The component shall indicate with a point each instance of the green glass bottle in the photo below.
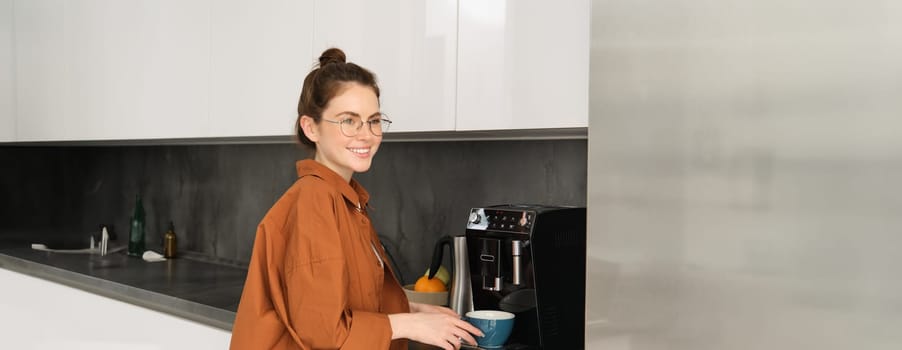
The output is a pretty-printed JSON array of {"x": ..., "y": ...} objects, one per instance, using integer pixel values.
[{"x": 136, "y": 234}]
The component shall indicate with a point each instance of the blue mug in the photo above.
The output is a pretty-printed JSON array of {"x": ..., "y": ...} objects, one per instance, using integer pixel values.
[{"x": 495, "y": 325}]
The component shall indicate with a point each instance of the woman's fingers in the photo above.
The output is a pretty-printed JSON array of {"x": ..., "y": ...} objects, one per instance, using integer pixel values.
[
  {"x": 455, "y": 342},
  {"x": 469, "y": 327},
  {"x": 444, "y": 330},
  {"x": 462, "y": 331},
  {"x": 465, "y": 336}
]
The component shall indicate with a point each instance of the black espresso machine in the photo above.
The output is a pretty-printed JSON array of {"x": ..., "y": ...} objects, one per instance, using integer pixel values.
[{"x": 530, "y": 260}]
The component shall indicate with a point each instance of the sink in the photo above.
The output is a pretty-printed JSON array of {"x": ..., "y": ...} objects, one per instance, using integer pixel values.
[{"x": 43, "y": 248}]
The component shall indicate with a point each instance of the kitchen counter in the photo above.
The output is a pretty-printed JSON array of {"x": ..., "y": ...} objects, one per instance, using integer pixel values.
[{"x": 197, "y": 290}]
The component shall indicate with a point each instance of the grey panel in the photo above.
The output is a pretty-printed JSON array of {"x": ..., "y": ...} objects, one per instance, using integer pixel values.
[{"x": 744, "y": 160}]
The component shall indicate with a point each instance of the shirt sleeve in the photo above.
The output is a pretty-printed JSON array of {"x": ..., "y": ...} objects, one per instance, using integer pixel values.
[{"x": 316, "y": 281}]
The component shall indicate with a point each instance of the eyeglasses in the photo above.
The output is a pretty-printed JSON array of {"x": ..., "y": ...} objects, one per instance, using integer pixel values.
[{"x": 350, "y": 126}]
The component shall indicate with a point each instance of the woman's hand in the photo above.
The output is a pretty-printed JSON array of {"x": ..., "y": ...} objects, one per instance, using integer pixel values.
[
  {"x": 417, "y": 307},
  {"x": 431, "y": 325}
]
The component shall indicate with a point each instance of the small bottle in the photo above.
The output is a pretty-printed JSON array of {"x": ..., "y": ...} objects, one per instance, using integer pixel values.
[
  {"x": 136, "y": 234},
  {"x": 169, "y": 242}
]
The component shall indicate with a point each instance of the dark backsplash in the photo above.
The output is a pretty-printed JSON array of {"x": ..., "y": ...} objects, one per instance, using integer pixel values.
[{"x": 216, "y": 194}]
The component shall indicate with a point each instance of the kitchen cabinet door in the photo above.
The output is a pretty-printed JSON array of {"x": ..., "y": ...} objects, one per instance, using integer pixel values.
[
  {"x": 40, "y": 70},
  {"x": 410, "y": 45},
  {"x": 109, "y": 69},
  {"x": 173, "y": 98},
  {"x": 261, "y": 51},
  {"x": 137, "y": 69},
  {"x": 7, "y": 82},
  {"x": 522, "y": 64},
  {"x": 39, "y": 314}
]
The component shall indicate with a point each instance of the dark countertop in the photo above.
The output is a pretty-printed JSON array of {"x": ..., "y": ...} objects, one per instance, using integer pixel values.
[{"x": 197, "y": 290}]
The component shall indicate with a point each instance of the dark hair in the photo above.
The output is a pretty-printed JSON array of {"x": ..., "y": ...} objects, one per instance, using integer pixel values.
[{"x": 324, "y": 82}]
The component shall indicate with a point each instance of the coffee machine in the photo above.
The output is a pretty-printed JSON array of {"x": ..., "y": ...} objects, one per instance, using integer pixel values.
[{"x": 530, "y": 260}]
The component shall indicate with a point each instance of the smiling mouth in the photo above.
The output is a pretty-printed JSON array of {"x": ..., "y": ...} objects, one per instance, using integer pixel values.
[{"x": 360, "y": 151}]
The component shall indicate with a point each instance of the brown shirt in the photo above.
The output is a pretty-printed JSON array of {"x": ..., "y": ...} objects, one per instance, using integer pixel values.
[{"x": 318, "y": 277}]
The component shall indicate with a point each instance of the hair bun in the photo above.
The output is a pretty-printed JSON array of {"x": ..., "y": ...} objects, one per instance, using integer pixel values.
[{"x": 332, "y": 55}]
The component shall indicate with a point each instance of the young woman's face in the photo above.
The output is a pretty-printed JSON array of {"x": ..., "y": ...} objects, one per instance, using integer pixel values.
[{"x": 343, "y": 154}]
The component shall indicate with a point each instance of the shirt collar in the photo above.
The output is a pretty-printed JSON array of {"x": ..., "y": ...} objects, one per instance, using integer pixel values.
[{"x": 352, "y": 191}]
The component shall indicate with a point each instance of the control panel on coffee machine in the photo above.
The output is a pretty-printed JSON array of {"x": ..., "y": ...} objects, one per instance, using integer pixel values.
[{"x": 531, "y": 260}]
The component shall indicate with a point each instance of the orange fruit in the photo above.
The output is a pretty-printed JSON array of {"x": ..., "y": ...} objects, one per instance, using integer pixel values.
[{"x": 426, "y": 284}]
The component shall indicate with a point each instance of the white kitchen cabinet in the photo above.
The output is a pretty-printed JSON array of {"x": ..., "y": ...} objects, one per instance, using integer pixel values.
[
  {"x": 7, "y": 80},
  {"x": 410, "y": 45},
  {"x": 40, "y": 70},
  {"x": 39, "y": 314},
  {"x": 260, "y": 53},
  {"x": 522, "y": 64},
  {"x": 174, "y": 68},
  {"x": 108, "y": 69},
  {"x": 144, "y": 69},
  {"x": 137, "y": 69}
]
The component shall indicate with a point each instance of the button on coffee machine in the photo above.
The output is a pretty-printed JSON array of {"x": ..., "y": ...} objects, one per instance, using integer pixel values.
[{"x": 531, "y": 260}]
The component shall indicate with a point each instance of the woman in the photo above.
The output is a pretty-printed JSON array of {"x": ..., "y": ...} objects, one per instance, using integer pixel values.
[{"x": 318, "y": 278}]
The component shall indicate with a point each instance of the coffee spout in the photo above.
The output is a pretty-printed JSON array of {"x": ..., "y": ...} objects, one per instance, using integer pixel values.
[{"x": 515, "y": 263}]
